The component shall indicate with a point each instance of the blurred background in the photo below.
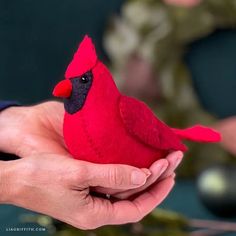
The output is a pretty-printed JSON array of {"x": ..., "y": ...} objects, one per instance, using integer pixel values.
[{"x": 179, "y": 56}]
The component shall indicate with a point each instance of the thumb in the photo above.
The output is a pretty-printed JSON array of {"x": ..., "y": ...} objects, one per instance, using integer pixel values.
[{"x": 116, "y": 176}]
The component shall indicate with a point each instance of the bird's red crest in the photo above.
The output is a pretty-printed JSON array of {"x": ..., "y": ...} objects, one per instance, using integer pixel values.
[{"x": 84, "y": 59}]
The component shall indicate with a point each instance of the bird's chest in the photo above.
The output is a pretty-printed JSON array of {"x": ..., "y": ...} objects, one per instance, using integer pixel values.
[
  {"x": 89, "y": 133},
  {"x": 101, "y": 137}
]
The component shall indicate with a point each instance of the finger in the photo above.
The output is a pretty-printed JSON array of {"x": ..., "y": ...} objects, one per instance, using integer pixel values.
[
  {"x": 114, "y": 176},
  {"x": 157, "y": 168},
  {"x": 174, "y": 160},
  {"x": 119, "y": 195},
  {"x": 123, "y": 212},
  {"x": 143, "y": 204},
  {"x": 173, "y": 176}
]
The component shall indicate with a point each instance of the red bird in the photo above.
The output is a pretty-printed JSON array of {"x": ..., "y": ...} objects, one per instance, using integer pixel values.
[{"x": 103, "y": 126}]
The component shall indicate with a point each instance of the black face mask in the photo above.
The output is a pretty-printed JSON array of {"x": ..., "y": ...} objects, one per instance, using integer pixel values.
[{"x": 80, "y": 89}]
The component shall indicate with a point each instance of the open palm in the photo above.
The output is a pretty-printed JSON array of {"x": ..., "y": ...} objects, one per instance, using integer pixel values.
[{"x": 38, "y": 130}]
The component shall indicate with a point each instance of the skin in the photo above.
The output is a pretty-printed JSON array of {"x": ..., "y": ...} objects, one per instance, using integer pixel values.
[{"x": 47, "y": 180}]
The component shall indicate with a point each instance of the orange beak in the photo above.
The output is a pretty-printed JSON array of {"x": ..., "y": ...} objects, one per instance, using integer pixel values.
[{"x": 63, "y": 89}]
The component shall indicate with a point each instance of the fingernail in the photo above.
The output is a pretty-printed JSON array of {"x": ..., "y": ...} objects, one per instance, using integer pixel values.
[
  {"x": 178, "y": 159},
  {"x": 147, "y": 172},
  {"x": 160, "y": 166},
  {"x": 138, "y": 177},
  {"x": 163, "y": 167}
]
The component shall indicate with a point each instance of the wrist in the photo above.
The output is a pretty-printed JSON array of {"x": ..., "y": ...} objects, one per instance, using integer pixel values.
[
  {"x": 7, "y": 175},
  {"x": 10, "y": 129}
]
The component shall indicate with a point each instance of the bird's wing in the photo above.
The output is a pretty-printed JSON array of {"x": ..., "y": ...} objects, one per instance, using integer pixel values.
[{"x": 141, "y": 122}]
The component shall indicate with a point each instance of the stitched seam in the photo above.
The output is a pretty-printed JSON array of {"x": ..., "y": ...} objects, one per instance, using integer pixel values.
[
  {"x": 89, "y": 138},
  {"x": 126, "y": 122},
  {"x": 140, "y": 137}
]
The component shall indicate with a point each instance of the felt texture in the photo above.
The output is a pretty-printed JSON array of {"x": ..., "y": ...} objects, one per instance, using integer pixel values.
[
  {"x": 63, "y": 89},
  {"x": 198, "y": 133},
  {"x": 84, "y": 59},
  {"x": 140, "y": 122},
  {"x": 113, "y": 128},
  {"x": 80, "y": 88}
]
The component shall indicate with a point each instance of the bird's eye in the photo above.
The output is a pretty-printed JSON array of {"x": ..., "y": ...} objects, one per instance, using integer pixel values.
[{"x": 84, "y": 79}]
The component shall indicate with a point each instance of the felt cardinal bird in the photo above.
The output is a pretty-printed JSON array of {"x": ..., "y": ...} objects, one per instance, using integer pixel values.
[{"x": 103, "y": 126}]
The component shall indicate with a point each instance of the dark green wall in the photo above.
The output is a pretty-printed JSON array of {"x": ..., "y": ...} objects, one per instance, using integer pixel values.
[
  {"x": 212, "y": 62},
  {"x": 38, "y": 38}
]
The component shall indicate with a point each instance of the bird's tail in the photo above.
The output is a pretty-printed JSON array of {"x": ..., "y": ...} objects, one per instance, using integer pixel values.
[{"x": 198, "y": 133}]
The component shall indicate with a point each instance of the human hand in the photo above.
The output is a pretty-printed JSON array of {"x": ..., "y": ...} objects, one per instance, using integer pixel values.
[
  {"x": 60, "y": 187},
  {"x": 32, "y": 130},
  {"x": 37, "y": 130},
  {"x": 159, "y": 170}
]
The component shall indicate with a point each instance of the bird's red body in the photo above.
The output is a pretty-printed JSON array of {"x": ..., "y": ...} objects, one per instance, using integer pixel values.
[{"x": 113, "y": 128}]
